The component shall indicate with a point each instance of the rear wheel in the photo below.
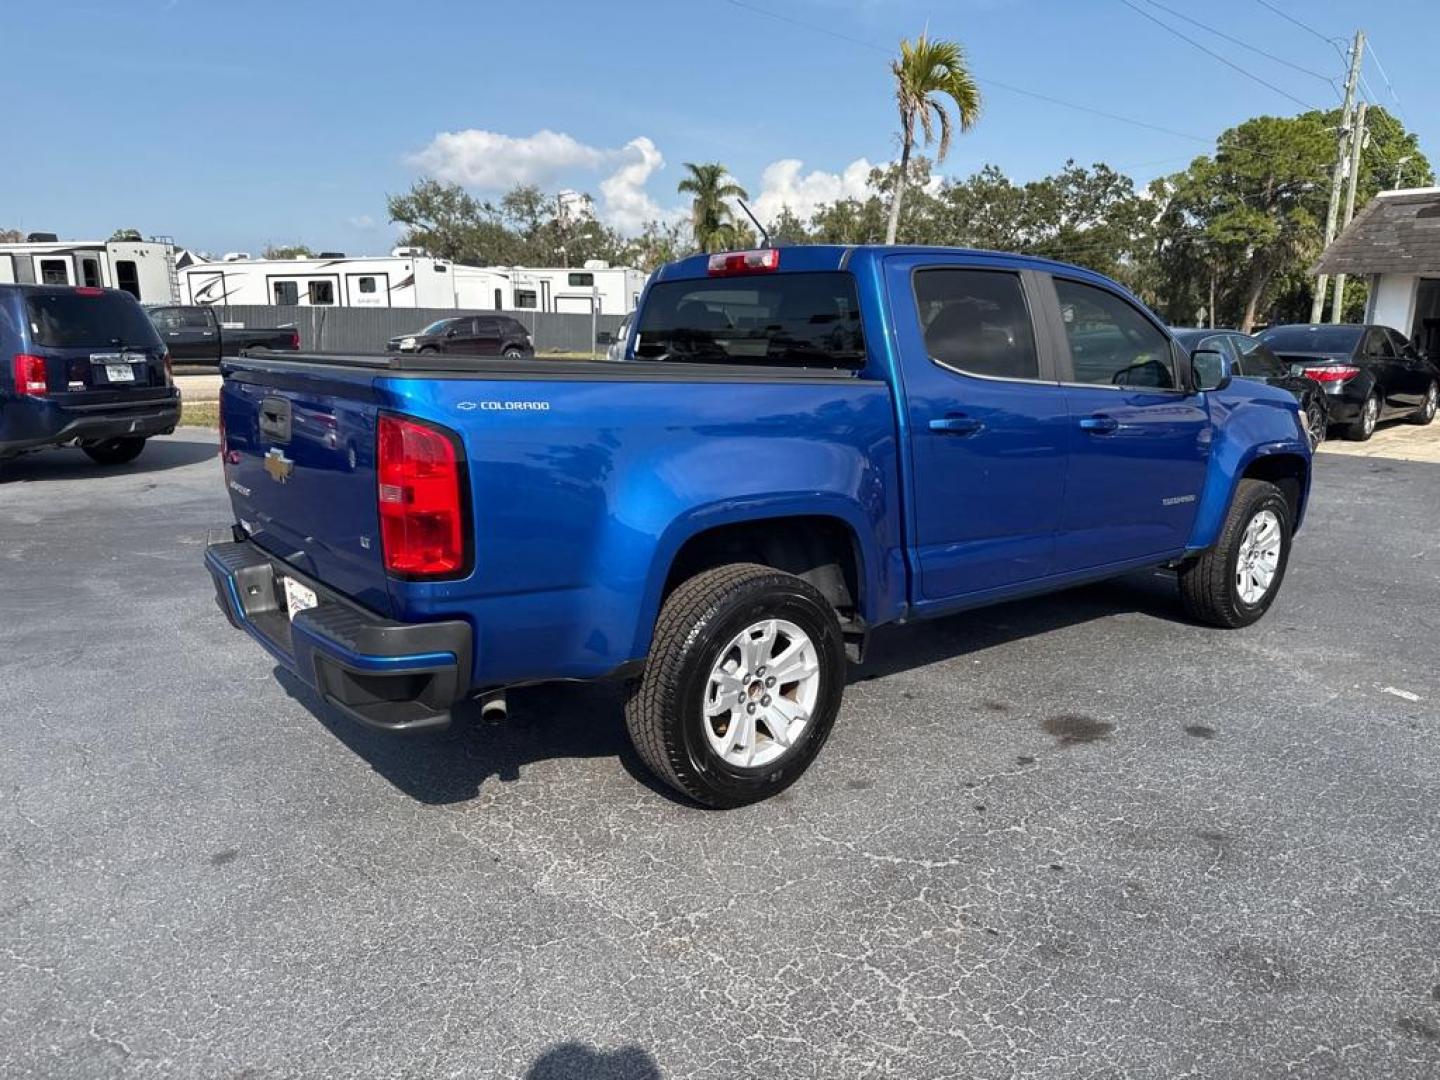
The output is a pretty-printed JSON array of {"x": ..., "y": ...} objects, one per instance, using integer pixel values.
[
  {"x": 1234, "y": 583},
  {"x": 1426, "y": 412},
  {"x": 114, "y": 451},
  {"x": 1316, "y": 420},
  {"x": 512, "y": 353},
  {"x": 741, "y": 689},
  {"x": 1364, "y": 425}
]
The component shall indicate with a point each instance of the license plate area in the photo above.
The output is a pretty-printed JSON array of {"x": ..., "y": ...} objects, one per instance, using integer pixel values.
[
  {"x": 118, "y": 373},
  {"x": 298, "y": 597}
]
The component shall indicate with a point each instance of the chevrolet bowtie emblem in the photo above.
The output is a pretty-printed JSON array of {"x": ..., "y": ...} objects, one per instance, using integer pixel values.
[{"x": 279, "y": 466}]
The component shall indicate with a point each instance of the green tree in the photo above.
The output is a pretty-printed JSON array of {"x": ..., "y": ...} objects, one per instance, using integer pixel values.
[
  {"x": 448, "y": 222},
  {"x": 926, "y": 74},
  {"x": 125, "y": 234},
  {"x": 712, "y": 222},
  {"x": 287, "y": 251}
]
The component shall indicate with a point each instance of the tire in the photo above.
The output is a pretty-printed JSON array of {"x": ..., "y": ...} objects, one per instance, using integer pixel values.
[
  {"x": 1209, "y": 586},
  {"x": 1316, "y": 420},
  {"x": 671, "y": 710},
  {"x": 1426, "y": 413},
  {"x": 1364, "y": 425},
  {"x": 114, "y": 451},
  {"x": 513, "y": 353}
]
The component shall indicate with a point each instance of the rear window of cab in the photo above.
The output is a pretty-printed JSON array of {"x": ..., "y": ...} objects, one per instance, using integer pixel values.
[{"x": 795, "y": 320}]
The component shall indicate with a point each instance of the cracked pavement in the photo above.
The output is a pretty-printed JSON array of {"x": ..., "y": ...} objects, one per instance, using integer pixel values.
[{"x": 1070, "y": 837}]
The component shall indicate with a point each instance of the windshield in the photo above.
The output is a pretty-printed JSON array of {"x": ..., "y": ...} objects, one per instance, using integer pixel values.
[
  {"x": 436, "y": 327},
  {"x": 1316, "y": 339},
  {"x": 802, "y": 320},
  {"x": 75, "y": 320}
]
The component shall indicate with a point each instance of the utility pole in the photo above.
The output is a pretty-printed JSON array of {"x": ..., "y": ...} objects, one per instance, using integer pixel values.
[
  {"x": 1357, "y": 143},
  {"x": 1357, "y": 51}
]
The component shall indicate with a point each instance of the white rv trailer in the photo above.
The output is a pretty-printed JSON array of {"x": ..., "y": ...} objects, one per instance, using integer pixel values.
[
  {"x": 143, "y": 268},
  {"x": 409, "y": 279},
  {"x": 403, "y": 281},
  {"x": 611, "y": 290}
]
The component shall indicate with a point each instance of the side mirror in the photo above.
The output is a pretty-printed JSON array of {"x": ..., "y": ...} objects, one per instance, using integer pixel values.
[
  {"x": 452, "y": 332},
  {"x": 604, "y": 337},
  {"x": 1211, "y": 369}
]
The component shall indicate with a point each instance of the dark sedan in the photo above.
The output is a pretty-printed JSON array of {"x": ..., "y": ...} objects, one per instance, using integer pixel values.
[
  {"x": 1369, "y": 373},
  {"x": 1251, "y": 359},
  {"x": 475, "y": 335}
]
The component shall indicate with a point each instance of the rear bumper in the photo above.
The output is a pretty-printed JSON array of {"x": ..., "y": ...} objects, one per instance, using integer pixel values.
[
  {"x": 49, "y": 424},
  {"x": 387, "y": 675}
]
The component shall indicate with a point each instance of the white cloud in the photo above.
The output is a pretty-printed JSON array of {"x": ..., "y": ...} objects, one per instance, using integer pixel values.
[
  {"x": 488, "y": 159},
  {"x": 626, "y": 204},
  {"x": 361, "y": 221},
  {"x": 781, "y": 185}
]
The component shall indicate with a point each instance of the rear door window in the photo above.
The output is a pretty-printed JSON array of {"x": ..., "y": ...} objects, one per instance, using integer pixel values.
[
  {"x": 798, "y": 320},
  {"x": 1111, "y": 343},
  {"x": 976, "y": 322},
  {"x": 70, "y": 320}
]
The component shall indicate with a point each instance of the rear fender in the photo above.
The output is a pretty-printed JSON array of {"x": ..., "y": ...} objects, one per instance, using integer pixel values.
[{"x": 874, "y": 578}]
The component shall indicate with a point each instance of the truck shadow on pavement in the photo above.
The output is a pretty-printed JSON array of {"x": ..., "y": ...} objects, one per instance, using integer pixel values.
[
  {"x": 584, "y": 720},
  {"x": 69, "y": 464}
]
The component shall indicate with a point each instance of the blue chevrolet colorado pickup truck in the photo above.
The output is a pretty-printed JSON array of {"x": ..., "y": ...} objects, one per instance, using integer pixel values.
[{"x": 800, "y": 445}]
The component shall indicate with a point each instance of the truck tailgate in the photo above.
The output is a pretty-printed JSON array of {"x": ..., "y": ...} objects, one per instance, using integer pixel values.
[{"x": 299, "y": 458}]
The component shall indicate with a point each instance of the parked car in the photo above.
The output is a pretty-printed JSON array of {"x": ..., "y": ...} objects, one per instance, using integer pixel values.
[
  {"x": 809, "y": 443},
  {"x": 476, "y": 335},
  {"x": 615, "y": 342},
  {"x": 1369, "y": 373},
  {"x": 82, "y": 366},
  {"x": 1251, "y": 358},
  {"x": 195, "y": 335}
]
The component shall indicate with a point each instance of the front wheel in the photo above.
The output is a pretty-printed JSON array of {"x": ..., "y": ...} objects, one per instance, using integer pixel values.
[
  {"x": 1426, "y": 412},
  {"x": 744, "y": 679},
  {"x": 114, "y": 451},
  {"x": 1235, "y": 582},
  {"x": 513, "y": 353}
]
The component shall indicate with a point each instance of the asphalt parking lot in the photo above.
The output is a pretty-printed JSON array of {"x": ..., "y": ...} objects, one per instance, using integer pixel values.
[{"x": 1073, "y": 837}]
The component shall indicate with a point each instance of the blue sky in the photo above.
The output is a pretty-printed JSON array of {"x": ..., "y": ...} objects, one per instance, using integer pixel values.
[{"x": 232, "y": 125}]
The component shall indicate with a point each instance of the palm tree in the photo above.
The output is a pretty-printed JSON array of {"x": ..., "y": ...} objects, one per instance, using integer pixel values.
[
  {"x": 711, "y": 218},
  {"x": 926, "y": 73}
]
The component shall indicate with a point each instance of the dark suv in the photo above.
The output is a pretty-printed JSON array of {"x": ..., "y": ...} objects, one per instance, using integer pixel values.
[
  {"x": 82, "y": 366},
  {"x": 478, "y": 335}
]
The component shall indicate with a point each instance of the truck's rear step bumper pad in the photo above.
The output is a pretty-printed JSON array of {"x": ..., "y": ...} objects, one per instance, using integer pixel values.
[{"x": 387, "y": 675}]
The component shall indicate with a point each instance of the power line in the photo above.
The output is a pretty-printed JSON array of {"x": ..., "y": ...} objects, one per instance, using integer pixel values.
[
  {"x": 992, "y": 82},
  {"x": 1388, "y": 84},
  {"x": 1212, "y": 53},
  {"x": 1303, "y": 26},
  {"x": 1243, "y": 43}
]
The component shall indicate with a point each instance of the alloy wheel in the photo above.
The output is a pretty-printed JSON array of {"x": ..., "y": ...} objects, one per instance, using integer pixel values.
[
  {"x": 1258, "y": 558},
  {"x": 761, "y": 693}
]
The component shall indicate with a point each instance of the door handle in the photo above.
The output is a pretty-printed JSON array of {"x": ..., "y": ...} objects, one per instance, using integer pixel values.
[
  {"x": 956, "y": 425},
  {"x": 1100, "y": 425}
]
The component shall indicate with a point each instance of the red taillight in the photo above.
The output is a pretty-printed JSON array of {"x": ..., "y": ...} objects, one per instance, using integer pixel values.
[
  {"x": 89, "y": 290},
  {"x": 744, "y": 262},
  {"x": 294, "y": 339},
  {"x": 220, "y": 421},
  {"x": 169, "y": 369},
  {"x": 422, "y": 506},
  {"x": 1332, "y": 373},
  {"x": 31, "y": 379}
]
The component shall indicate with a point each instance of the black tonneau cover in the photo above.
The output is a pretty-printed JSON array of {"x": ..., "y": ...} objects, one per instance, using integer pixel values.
[{"x": 443, "y": 366}]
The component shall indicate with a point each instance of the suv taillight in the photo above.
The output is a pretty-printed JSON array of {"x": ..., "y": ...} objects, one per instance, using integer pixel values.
[
  {"x": 31, "y": 379},
  {"x": 169, "y": 369},
  {"x": 294, "y": 339},
  {"x": 421, "y": 492}
]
